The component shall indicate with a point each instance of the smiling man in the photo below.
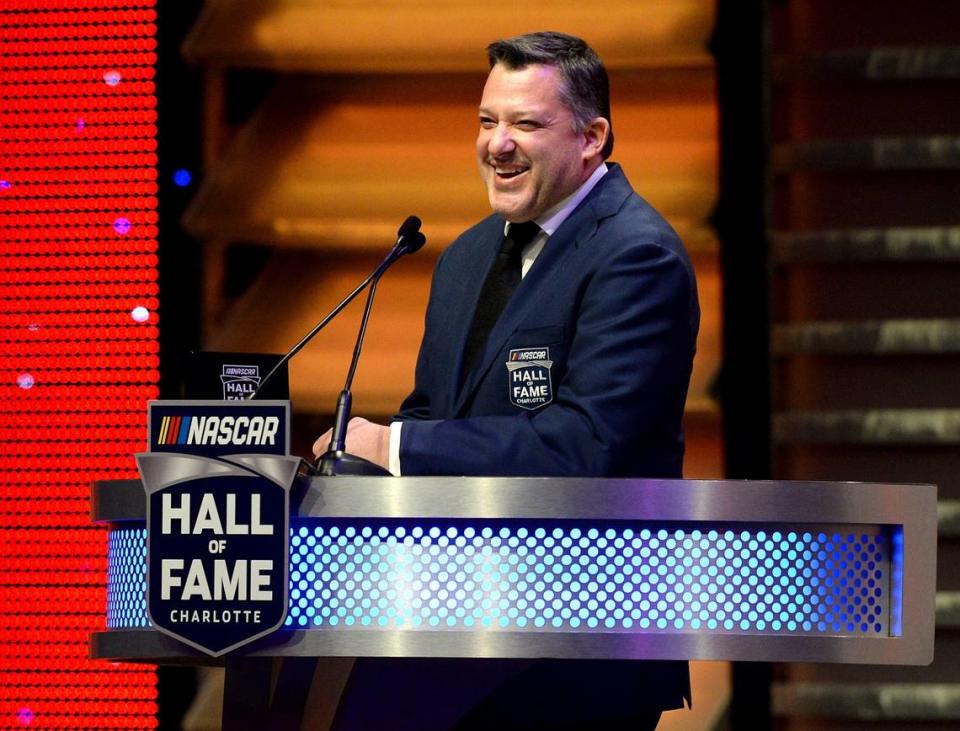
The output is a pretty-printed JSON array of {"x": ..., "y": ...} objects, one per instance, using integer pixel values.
[
  {"x": 532, "y": 149},
  {"x": 559, "y": 340}
]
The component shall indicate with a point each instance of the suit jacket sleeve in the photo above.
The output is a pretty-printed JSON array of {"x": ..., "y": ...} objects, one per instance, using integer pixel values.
[{"x": 618, "y": 404}]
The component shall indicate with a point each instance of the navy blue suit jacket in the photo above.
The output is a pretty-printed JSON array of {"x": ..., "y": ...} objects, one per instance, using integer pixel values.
[{"x": 612, "y": 298}]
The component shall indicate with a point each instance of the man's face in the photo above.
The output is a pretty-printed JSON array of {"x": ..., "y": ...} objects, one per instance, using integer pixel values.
[{"x": 530, "y": 157}]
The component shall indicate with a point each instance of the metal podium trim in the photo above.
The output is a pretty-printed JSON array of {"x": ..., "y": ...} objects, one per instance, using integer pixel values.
[{"x": 907, "y": 508}]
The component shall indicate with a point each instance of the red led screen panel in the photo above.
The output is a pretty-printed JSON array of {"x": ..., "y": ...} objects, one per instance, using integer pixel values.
[{"x": 78, "y": 341}]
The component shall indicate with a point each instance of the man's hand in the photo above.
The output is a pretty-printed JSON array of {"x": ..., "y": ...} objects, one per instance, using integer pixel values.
[{"x": 364, "y": 439}]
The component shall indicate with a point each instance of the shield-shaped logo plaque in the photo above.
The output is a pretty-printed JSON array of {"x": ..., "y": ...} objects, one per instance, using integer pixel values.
[{"x": 217, "y": 546}]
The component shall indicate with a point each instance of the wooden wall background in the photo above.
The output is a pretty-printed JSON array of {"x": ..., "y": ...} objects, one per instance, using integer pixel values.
[
  {"x": 865, "y": 331},
  {"x": 370, "y": 117}
]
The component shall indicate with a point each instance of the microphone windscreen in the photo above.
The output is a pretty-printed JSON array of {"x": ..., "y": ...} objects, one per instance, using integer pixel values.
[
  {"x": 414, "y": 243},
  {"x": 409, "y": 227}
]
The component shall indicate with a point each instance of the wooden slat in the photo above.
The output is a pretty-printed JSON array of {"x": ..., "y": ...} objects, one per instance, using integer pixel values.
[
  {"x": 875, "y": 426},
  {"x": 872, "y": 64},
  {"x": 935, "y": 152},
  {"x": 948, "y": 518},
  {"x": 948, "y": 610},
  {"x": 873, "y": 701},
  {"x": 294, "y": 35},
  {"x": 878, "y": 337},
  {"x": 919, "y": 243},
  {"x": 339, "y": 162}
]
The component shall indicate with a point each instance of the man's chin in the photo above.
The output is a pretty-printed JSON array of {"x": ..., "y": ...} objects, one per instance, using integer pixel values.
[{"x": 514, "y": 211}]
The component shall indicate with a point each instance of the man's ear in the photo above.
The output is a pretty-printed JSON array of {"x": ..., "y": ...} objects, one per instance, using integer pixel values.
[{"x": 595, "y": 137}]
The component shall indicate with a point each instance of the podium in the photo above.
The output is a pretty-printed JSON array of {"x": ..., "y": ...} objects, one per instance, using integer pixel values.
[
  {"x": 478, "y": 567},
  {"x": 564, "y": 568},
  {"x": 574, "y": 568}
]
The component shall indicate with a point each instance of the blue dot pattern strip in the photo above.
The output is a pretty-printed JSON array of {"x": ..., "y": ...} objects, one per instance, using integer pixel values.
[
  {"x": 508, "y": 576},
  {"x": 127, "y": 579}
]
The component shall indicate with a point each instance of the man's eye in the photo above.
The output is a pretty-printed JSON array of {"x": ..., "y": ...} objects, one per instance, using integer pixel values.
[
  {"x": 528, "y": 124},
  {"x": 487, "y": 123}
]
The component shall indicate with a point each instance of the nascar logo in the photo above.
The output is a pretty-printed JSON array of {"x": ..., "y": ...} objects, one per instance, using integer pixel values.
[
  {"x": 210, "y": 430},
  {"x": 530, "y": 382},
  {"x": 525, "y": 355}
]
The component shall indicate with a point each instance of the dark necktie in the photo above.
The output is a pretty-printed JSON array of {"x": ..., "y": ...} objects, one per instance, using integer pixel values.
[{"x": 503, "y": 278}]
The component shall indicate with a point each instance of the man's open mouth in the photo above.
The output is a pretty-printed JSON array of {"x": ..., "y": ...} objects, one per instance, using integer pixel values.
[{"x": 508, "y": 173}]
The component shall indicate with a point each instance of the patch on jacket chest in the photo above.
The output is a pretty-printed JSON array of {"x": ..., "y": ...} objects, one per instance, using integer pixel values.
[{"x": 528, "y": 376}]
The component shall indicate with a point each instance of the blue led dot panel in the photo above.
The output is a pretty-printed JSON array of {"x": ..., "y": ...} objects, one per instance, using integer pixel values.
[
  {"x": 127, "y": 579},
  {"x": 568, "y": 578}
]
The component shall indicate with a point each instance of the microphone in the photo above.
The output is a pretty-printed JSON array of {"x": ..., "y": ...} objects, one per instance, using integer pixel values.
[
  {"x": 336, "y": 460},
  {"x": 409, "y": 241},
  {"x": 409, "y": 238}
]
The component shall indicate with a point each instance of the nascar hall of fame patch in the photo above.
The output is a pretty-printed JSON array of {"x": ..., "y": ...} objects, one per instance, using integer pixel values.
[
  {"x": 528, "y": 374},
  {"x": 217, "y": 546},
  {"x": 239, "y": 381}
]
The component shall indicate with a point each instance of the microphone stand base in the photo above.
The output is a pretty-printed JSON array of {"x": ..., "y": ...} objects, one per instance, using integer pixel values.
[{"x": 333, "y": 463}]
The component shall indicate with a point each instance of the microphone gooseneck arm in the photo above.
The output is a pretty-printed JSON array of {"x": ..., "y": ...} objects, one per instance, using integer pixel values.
[
  {"x": 342, "y": 417},
  {"x": 336, "y": 460}
]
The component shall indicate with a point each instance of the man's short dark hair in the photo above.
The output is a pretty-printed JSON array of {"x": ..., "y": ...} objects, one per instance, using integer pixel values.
[{"x": 586, "y": 89}]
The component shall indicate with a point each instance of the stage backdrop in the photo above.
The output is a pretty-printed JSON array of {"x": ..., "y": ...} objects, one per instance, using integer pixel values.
[{"x": 78, "y": 341}]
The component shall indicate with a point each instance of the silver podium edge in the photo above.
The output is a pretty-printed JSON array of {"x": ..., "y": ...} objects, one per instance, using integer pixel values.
[{"x": 910, "y": 507}]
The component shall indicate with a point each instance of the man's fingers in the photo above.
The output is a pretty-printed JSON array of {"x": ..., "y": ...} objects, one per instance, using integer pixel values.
[
  {"x": 320, "y": 446},
  {"x": 323, "y": 443},
  {"x": 355, "y": 423},
  {"x": 364, "y": 439}
]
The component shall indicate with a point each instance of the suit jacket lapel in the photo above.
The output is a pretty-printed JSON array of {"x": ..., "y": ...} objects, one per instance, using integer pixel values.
[{"x": 603, "y": 201}]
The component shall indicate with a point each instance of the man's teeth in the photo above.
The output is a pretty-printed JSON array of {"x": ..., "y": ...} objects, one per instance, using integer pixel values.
[{"x": 510, "y": 172}]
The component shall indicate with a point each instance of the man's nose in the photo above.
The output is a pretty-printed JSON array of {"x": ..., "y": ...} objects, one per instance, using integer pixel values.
[{"x": 501, "y": 140}]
